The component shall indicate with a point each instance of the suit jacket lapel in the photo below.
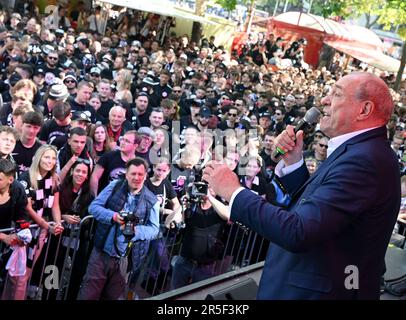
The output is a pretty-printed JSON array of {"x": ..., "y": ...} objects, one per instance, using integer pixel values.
[{"x": 340, "y": 150}]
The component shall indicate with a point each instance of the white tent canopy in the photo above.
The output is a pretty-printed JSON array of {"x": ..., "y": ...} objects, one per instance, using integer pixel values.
[{"x": 161, "y": 7}]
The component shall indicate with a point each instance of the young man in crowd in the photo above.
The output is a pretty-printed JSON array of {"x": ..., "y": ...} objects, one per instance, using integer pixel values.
[{"x": 28, "y": 143}]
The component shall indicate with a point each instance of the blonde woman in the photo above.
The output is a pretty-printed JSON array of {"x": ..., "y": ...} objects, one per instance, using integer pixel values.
[
  {"x": 123, "y": 79},
  {"x": 41, "y": 185}
]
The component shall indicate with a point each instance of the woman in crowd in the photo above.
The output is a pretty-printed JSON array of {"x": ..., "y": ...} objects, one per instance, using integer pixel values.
[
  {"x": 250, "y": 178},
  {"x": 123, "y": 79},
  {"x": 161, "y": 145},
  {"x": 170, "y": 215},
  {"x": 95, "y": 101},
  {"x": 41, "y": 185},
  {"x": 74, "y": 204},
  {"x": 102, "y": 143}
]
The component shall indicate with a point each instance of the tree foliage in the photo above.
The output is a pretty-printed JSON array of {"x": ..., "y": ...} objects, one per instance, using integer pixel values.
[
  {"x": 229, "y": 5},
  {"x": 393, "y": 13}
]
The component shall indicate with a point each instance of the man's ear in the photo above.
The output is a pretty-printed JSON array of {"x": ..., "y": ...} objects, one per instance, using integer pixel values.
[{"x": 366, "y": 110}]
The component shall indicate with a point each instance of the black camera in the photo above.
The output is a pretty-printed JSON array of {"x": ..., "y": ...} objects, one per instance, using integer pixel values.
[
  {"x": 130, "y": 221},
  {"x": 199, "y": 189}
]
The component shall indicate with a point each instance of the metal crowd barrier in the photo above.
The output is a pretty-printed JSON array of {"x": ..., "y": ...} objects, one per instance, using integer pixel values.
[{"x": 70, "y": 253}]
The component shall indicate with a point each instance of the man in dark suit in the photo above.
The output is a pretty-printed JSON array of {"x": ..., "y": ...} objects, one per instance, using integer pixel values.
[{"x": 331, "y": 241}]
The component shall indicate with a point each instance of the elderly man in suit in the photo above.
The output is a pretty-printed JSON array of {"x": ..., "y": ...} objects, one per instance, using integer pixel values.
[{"x": 331, "y": 241}]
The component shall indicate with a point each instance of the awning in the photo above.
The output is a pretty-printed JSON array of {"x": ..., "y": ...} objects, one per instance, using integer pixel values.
[
  {"x": 372, "y": 57},
  {"x": 161, "y": 7},
  {"x": 358, "y": 42}
]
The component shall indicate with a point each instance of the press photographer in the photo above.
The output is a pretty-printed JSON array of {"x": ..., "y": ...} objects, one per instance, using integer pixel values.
[
  {"x": 128, "y": 217},
  {"x": 201, "y": 246}
]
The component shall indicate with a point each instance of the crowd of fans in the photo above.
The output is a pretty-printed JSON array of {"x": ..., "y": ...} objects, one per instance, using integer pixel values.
[{"x": 76, "y": 106}]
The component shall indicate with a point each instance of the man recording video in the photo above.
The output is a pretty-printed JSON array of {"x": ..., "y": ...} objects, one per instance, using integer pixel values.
[
  {"x": 330, "y": 242},
  {"x": 201, "y": 245},
  {"x": 128, "y": 219}
]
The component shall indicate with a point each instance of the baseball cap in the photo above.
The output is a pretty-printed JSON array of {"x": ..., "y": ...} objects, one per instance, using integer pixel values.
[
  {"x": 95, "y": 70},
  {"x": 205, "y": 112},
  {"x": 263, "y": 112},
  {"x": 81, "y": 116},
  {"x": 16, "y": 15},
  {"x": 143, "y": 94},
  {"x": 59, "y": 32},
  {"x": 145, "y": 131},
  {"x": 38, "y": 71}
]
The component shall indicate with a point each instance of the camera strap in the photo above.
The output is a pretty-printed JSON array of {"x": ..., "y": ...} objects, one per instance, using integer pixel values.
[{"x": 127, "y": 249}]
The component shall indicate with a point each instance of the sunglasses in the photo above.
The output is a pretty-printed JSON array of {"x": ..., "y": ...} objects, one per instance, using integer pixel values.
[
  {"x": 81, "y": 160},
  {"x": 232, "y": 114},
  {"x": 96, "y": 75},
  {"x": 323, "y": 145},
  {"x": 176, "y": 91},
  {"x": 53, "y": 58},
  {"x": 69, "y": 81}
]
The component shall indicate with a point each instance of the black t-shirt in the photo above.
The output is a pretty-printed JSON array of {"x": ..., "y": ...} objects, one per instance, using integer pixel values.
[
  {"x": 5, "y": 114},
  {"x": 105, "y": 107},
  {"x": 257, "y": 57},
  {"x": 141, "y": 120},
  {"x": 223, "y": 125},
  {"x": 15, "y": 208},
  {"x": 50, "y": 74},
  {"x": 159, "y": 190},
  {"x": 23, "y": 156},
  {"x": 144, "y": 156},
  {"x": 50, "y": 131},
  {"x": 114, "y": 167},
  {"x": 202, "y": 236},
  {"x": 179, "y": 178},
  {"x": 6, "y": 215},
  {"x": 160, "y": 92},
  {"x": 83, "y": 108}
]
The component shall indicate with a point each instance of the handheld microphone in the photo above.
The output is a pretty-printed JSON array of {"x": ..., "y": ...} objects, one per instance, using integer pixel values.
[{"x": 311, "y": 118}]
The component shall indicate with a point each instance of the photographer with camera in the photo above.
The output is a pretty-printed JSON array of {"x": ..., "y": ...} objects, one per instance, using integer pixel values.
[
  {"x": 128, "y": 217},
  {"x": 201, "y": 245}
]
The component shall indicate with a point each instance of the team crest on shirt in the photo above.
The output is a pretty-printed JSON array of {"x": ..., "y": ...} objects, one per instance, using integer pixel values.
[{"x": 24, "y": 184}]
